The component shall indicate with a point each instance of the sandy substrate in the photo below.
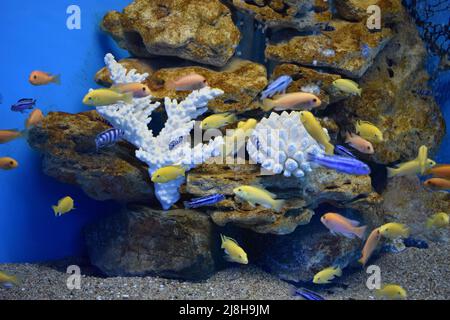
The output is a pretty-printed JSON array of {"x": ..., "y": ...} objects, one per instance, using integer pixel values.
[{"x": 424, "y": 273}]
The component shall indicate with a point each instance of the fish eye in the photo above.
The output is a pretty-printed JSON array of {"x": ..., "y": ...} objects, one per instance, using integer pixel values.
[
  {"x": 90, "y": 98},
  {"x": 314, "y": 100},
  {"x": 204, "y": 81},
  {"x": 11, "y": 163}
]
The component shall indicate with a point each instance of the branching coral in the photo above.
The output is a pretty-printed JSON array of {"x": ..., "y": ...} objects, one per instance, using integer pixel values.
[
  {"x": 160, "y": 151},
  {"x": 281, "y": 144}
]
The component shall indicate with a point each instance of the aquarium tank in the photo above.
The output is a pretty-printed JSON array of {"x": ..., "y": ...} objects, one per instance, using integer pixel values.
[{"x": 225, "y": 150}]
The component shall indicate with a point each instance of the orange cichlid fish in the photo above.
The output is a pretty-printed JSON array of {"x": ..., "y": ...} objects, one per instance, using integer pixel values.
[
  {"x": 36, "y": 116},
  {"x": 139, "y": 90},
  {"x": 440, "y": 171},
  {"x": 7, "y": 163},
  {"x": 292, "y": 101},
  {"x": 437, "y": 184},
  {"x": 40, "y": 78},
  {"x": 359, "y": 143},
  {"x": 338, "y": 224},
  {"x": 9, "y": 135},
  {"x": 190, "y": 82},
  {"x": 370, "y": 246}
]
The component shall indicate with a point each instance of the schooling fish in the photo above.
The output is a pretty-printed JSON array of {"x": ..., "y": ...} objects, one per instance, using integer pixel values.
[
  {"x": 168, "y": 173},
  {"x": 340, "y": 164},
  {"x": 308, "y": 294},
  {"x": 438, "y": 220},
  {"x": 368, "y": 131},
  {"x": 39, "y": 78},
  {"x": 7, "y": 163},
  {"x": 391, "y": 291},
  {"x": 279, "y": 86},
  {"x": 23, "y": 105},
  {"x": 64, "y": 206},
  {"x": 440, "y": 171},
  {"x": 234, "y": 253},
  {"x": 415, "y": 243},
  {"x": 190, "y": 82},
  {"x": 394, "y": 230},
  {"x": 175, "y": 142},
  {"x": 327, "y": 275},
  {"x": 343, "y": 151},
  {"x": 219, "y": 120},
  {"x": 139, "y": 90},
  {"x": 108, "y": 138},
  {"x": 292, "y": 101},
  {"x": 316, "y": 131},
  {"x": 9, "y": 135},
  {"x": 370, "y": 246},
  {"x": 254, "y": 196},
  {"x": 413, "y": 167},
  {"x": 437, "y": 184},
  {"x": 36, "y": 117},
  {"x": 347, "y": 86},
  {"x": 338, "y": 224},
  {"x": 359, "y": 143},
  {"x": 7, "y": 280},
  {"x": 204, "y": 201},
  {"x": 104, "y": 97}
]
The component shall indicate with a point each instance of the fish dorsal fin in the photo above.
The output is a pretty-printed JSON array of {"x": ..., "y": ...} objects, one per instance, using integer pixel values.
[
  {"x": 354, "y": 223},
  {"x": 272, "y": 195},
  {"x": 353, "y": 82},
  {"x": 361, "y": 122},
  {"x": 231, "y": 239}
]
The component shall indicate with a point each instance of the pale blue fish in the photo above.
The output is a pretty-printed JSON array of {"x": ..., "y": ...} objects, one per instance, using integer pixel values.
[
  {"x": 108, "y": 138},
  {"x": 204, "y": 201},
  {"x": 276, "y": 87},
  {"x": 175, "y": 142},
  {"x": 308, "y": 294},
  {"x": 343, "y": 151},
  {"x": 365, "y": 50},
  {"x": 340, "y": 164}
]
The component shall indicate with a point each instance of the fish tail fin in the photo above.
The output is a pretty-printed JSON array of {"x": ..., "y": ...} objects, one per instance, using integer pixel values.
[
  {"x": 57, "y": 79},
  {"x": 391, "y": 172},
  {"x": 278, "y": 205},
  {"x": 232, "y": 118},
  {"x": 268, "y": 105},
  {"x": 128, "y": 97},
  {"x": 55, "y": 210},
  {"x": 222, "y": 239},
  {"x": 360, "y": 232},
  {"x": 362, "y": 261},
  {"x": 329, "y": 148},
  {"x": 359, "y": 92},
  {"x": 429, "y": 223}
]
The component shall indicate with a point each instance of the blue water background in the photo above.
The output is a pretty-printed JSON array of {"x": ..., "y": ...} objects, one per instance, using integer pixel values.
[{"x": 34, "y": 37}]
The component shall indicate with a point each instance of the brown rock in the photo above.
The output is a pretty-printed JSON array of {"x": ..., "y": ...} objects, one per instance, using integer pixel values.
[
  {"x": 345, "y": 41},
  {"x": 201, "y": 31},
  {"x": 67, "y": 144},
  {"x": 356, "y": 10}
]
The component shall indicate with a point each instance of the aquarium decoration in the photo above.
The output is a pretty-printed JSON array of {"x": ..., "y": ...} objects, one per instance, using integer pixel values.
[
  {"x": 280, "y": 143},
  {"x": 157, "y": 152}
]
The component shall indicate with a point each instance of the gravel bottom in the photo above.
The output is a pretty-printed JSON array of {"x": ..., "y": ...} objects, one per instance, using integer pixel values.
[{"x": 424, "y": 273}]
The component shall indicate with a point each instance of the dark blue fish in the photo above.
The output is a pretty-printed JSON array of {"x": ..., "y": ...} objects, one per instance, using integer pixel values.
[
  {"x": 365, "y": 50},
  {"x": 175, "y": 142},
  {"x": 204, "y": 201},
  {"x": 343, "y": 151},
  {"x": 340, "y": 164},
  {"x": 276, "y": 87},
  {"x": 108, "y": 138},
  {"x": 23, "y": 105},
  {"x": 308, "y": 294},
  {"x": 391, "y": 248},
  {"x": 415, "y": 243},
  {"x": 423, "y": 92}
]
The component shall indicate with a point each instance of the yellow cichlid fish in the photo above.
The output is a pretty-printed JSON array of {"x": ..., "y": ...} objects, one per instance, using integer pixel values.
[
  {"x": 394, "y": 230},
  {"x": 347, "y": 86},
  {"x": 234, "y": 253},
  {"x": 391, "y": 291},
  {"x": 254, "y": 196},
  {"x": 327, "y": 275},
  {"x": 368, "y": 131},
  {"x": 216, "y": 121},
  {"x": 6, "y": 279},
  {"x": 417, "y": 166},
  {"x": 169, "y": 173},
  {"x": 241, "y": 133},
  {"x": 65, "y": 205},
  {"x": 438, "y": 220},
  {"x": 316, "y": 131},
  {"x": 104, "y": 97}
]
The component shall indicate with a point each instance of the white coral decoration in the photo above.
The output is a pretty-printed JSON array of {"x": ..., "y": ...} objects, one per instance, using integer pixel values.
[
  {"x": 159, "y": 151},
  {"x": 281, "y": 143}
]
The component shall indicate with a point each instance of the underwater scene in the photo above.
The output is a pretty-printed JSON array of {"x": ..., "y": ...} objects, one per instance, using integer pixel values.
[{"x": 225, "y": 150}]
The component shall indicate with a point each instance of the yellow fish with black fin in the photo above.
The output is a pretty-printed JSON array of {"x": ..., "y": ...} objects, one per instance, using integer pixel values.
[
  {"x": 234, "y": 252},
  {"x": 316, "y": 131}
]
